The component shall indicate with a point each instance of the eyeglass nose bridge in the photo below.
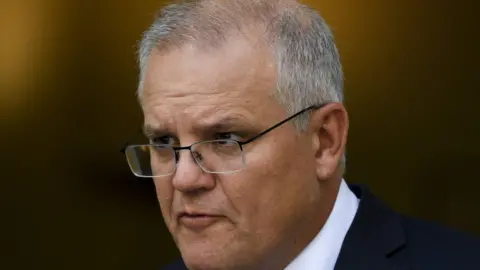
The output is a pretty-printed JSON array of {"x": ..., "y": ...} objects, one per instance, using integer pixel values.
[{"x": 197, "y": 156}]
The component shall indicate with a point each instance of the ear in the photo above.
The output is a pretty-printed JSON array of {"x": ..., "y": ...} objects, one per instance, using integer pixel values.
[{"x": 329, "y": 129}]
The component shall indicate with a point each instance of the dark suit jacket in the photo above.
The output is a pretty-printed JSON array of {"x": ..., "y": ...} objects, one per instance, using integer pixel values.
[{"x": 381, "y": 239}]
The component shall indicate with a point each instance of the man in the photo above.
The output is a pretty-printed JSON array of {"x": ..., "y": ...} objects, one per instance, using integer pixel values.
[{"x": 243, "y": 110}]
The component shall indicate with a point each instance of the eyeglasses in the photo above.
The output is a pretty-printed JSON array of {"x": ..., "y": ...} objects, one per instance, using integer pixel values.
[{"x": 212, "y": 156}]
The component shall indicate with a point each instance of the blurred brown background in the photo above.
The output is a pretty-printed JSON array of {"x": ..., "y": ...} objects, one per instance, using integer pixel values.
[{"x": 67, "y": 104}]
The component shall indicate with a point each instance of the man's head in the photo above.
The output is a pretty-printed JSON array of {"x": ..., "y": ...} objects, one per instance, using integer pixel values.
[{"x": 229, "y": 70}]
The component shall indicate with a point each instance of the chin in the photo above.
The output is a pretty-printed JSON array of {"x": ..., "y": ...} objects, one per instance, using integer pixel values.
[
  {"x": 211, "y": 256},
  {"x": 217, "y": 265},
  {"x": 203, "y": 256},
  {"x": 205, "y": 262}
]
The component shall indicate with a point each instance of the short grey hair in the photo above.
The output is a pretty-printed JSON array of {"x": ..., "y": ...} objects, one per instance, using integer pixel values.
[{"x": 309, "y": 71}]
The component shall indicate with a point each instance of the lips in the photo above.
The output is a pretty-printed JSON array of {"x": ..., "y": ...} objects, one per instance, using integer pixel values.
[{"x": 197, "y": 220}]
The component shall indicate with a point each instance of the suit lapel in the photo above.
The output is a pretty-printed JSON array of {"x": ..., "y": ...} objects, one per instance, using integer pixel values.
[{"x": 375, "y": 240}]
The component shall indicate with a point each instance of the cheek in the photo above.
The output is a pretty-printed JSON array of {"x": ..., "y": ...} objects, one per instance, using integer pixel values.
[
  {"x": 271, "y": 188},
  {"x": 164, "y": 191}
]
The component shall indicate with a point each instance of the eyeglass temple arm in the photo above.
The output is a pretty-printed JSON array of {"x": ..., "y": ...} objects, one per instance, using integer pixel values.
[
  {"x": 249, "y": 140},
  {"x": 281, "y": 123}
]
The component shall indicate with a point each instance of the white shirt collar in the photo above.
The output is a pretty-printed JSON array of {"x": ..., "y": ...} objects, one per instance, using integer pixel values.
[{"x": 323, "y": 250}]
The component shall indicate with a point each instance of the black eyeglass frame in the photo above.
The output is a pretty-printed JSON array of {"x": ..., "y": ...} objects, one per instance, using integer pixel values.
[{"x": 240, "y": 143}]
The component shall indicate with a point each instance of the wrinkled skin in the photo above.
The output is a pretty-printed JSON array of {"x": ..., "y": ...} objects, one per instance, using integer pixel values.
[{"x": 269, "y": 211}]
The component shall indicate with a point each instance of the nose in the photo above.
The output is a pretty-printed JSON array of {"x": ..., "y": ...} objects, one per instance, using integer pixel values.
[{"x": 189, "y": 177}]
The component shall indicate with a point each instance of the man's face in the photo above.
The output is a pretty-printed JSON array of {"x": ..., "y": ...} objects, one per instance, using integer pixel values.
[{"x": 244, "y": 217}]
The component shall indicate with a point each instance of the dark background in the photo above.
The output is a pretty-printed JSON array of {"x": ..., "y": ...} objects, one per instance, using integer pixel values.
[{"x": 67, "y": 82}]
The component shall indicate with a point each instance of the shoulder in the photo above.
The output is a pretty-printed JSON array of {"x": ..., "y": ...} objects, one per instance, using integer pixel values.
[
  {"x": 406, "y": 240},
  {"x": 440, "y": 247}
]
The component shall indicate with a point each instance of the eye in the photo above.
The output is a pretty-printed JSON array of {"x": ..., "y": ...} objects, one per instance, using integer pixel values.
[
  {"x": 228, "y": 136},
  {"x": 164, "y": 140}
]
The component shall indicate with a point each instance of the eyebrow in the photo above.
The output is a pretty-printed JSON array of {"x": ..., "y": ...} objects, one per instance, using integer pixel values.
[
  {"x": 151, "y": 131},
  {"x": 220, "y": 124},
  {"x": 223, "y": 123}
]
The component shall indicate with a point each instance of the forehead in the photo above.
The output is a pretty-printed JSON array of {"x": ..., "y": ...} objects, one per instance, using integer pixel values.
[{"x": 239, "y": 75}]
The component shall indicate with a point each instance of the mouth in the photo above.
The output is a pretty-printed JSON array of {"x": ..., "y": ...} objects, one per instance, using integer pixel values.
[{"x": 198, "y": 221}]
